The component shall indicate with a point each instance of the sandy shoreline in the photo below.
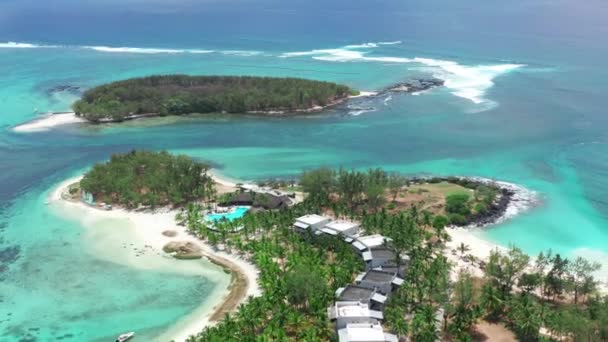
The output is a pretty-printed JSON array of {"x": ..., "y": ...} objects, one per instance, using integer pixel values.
[
  {"x": 138, "y": 243},
  {"x": 48, "y": 121},
  {"x": 480, "y": 248}
]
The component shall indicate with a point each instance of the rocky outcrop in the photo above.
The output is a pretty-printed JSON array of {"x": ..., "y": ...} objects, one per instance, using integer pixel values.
[
  {"x": 170, "y": 233},
  {"x": 415, "y": 85},
  {"x": 76, "y": 90},
  {"x": 183, "y": 250},
  {"x": 495, "y": 211}
]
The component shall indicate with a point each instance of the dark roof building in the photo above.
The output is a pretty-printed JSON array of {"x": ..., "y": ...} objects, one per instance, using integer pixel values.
[
  {"x": 383, "y": 281},
  {"x": 353, "y": 293}
]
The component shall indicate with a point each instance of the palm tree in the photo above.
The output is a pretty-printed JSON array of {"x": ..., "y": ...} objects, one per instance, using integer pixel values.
[{"x": 463, "y": 248}]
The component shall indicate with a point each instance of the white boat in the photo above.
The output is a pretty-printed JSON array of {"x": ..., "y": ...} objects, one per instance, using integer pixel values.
[{"x": 125, "y": 337}]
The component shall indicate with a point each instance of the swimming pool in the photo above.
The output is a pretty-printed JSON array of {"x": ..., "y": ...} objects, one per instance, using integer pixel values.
[{"x": 234, "y": 214}]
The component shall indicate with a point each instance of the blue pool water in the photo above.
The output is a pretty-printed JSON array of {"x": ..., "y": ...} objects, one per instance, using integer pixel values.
[{"x": 238, "y": 212}]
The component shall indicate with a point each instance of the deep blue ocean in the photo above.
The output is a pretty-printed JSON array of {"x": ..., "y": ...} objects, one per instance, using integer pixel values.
[{"x": 524, "y": 102}]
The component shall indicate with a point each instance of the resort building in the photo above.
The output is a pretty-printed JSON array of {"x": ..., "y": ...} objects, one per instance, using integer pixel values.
[
  {"x": 379, "y": 256},
  {"x": 358, "y": 310},
  {"x": 345, "y": 228},
  {"x": 345, "y": 313},
  {"x": 393, "y": 268},
  {"x": 365, "y": 332},
  {"x": 368, "y": 242},
  {"x": 371, "y": 297},
  {"x": 311, "y": 222},
  {"x": 385, "y": 282}
]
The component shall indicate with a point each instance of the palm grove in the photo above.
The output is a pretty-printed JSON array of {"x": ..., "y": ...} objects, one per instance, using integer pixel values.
[
  {"x": 548, "y": 298},
  {"x": 300, "y": 274}
]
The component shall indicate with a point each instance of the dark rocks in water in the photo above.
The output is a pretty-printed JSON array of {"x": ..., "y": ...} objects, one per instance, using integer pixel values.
[
  {"x": 65, "y": 87},
  {"x": 495, "y": 211},
  {"x": 183, "y": 250},
  {"x": 8, "y": 255},
  {"x": 415, "y": 85}
]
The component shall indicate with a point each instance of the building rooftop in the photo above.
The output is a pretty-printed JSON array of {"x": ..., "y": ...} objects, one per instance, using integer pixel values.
[
  {"x": 359, "y": 245},
  {"x": 329, "y": 231},
  {"x": 312, "y": 219},
  {"x": 352, "y": 293},
  {"x": 383, "y": 253},
  {"x": 391, "y": 267},
  {"x": 341, "y": 226},
  {"x": 372, "y": 241},
  {"x": 353, "y": 309},
  {"x": 379, "y": 276},
  {"x": 364, "y": 332}
]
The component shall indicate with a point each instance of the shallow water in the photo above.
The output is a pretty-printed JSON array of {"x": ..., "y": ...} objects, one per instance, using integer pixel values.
[{"x": 541, "y": 125}]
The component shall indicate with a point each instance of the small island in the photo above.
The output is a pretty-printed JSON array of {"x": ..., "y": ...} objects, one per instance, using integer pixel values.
[
  {"x": 144, "y": 178},
  {"x": 181, "y": 94}
]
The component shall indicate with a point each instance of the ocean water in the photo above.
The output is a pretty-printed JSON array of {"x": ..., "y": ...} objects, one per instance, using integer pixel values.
[{"x": 524, "y": 102}]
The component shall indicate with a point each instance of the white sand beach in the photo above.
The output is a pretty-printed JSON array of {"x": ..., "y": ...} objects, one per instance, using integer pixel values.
[
  {"x": 478, "y": 247},
  {"x": 135, "y": 239},
  {"x": 48, "y": 121}
]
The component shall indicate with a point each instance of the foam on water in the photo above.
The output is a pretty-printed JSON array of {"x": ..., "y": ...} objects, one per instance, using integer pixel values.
[
  {"x": 16, "y": 45},
  {"x": 144, "y": 50},
  {"x": 470, "y": 82},
  {"x": 244, "y": 53},
  {"x": 390, "y": 43}
]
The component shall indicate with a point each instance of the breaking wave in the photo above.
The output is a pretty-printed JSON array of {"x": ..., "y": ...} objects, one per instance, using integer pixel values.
[
  {"x": 143, "y": 50},
  {"x": 16, "y": 45},
  {"x": 130, "y": 50},
  {"x": 470, "y": 82}
]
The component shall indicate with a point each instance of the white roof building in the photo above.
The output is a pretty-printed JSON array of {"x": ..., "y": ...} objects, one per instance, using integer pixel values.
[
  {"x": 353, "y": 312},
  {"x": 365, "y": 332},
  {"x": 312, "y": 221},
  {"x": 341, "y": 227},
  {"x": 368, "y": 242}
]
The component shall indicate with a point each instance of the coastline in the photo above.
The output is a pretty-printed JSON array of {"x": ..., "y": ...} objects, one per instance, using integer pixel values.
[
  {"x": 48, "y": 121},
  {"x": 519, "y": 200},
  {"x": 142, "y": 233},
  {"x": 51, "y": 120}
]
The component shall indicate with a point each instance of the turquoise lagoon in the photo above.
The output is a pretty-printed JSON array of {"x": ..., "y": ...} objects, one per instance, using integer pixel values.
[{"x": 524, "y": 103}]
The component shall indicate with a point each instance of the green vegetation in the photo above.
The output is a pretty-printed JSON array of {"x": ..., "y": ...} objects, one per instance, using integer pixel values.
[
  {"x": 181, "y": 94},
  {"x": 299, "y": 273},
  {"x": 546, "y": 295},
  {"x": 148, "y": 178}
]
